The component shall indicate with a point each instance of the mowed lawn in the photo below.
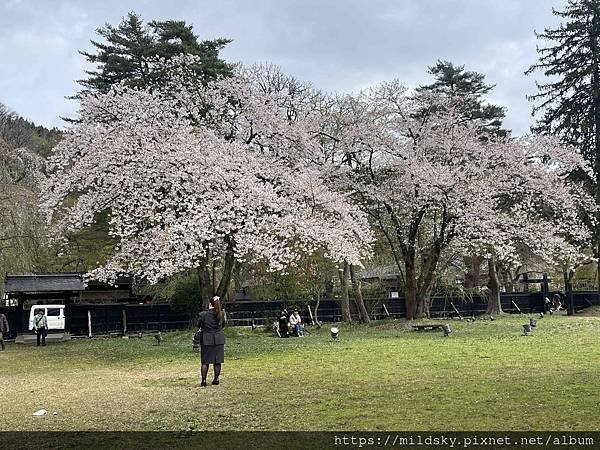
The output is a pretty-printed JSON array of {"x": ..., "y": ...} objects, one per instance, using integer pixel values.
[{"x": 485, "y": 376}]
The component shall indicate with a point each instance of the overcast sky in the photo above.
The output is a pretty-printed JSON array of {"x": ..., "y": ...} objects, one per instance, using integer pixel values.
[{"x": 338, "y": 45}]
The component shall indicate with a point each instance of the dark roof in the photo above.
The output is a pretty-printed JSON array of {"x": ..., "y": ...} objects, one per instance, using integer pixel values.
[
  {"x": 44, "y": 283},
  {"x": 122, "y": 282}
]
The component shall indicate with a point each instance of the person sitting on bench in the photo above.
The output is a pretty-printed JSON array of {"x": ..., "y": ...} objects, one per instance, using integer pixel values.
[
  {"x": 556, "y": 302},
  {"x": 296, "y": 323},
  {"x": 283, "y": 324}
]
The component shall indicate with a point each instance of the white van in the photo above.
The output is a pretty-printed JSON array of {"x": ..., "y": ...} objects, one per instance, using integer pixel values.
[{"x": 55, "y": 314}]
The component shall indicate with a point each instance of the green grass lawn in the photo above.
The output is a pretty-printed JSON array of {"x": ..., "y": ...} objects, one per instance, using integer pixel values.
[{"x": 485, "y": 376}]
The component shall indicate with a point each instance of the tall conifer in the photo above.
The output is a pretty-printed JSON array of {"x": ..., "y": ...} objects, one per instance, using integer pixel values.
[
  {"x": 569, "y": 101},
  {"x": 127, "y": 51}
]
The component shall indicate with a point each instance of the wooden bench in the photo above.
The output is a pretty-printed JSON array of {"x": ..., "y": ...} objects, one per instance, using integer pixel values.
[{"x": 431, "y": 326}]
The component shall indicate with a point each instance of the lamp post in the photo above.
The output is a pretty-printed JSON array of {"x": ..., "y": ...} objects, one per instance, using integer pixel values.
[{"x": 334, "y": 333}]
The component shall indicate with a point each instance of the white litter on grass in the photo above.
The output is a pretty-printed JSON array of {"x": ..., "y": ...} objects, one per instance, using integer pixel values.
[
  {"x": 55, "y": 413},
  {"x": 41, "y": 412}
]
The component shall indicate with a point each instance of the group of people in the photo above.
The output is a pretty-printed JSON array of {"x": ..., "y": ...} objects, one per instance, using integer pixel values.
[
  {"x": 289, "y": 324},
  {"x": 555, "y": 304}
]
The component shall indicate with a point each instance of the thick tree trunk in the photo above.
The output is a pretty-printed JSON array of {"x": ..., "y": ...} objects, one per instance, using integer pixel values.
[
  {"x": 204, "y": 286},
  {"x": 568, "y": 277},
  {"x": 494, "y": 306},
  {"x": 207, "y": 275},
  {"x": 227, "y": 273},
  {"x": 416, "y": 300},
  {"x": 424, "y": 283},
  {"x": 410, "y": 300},
  {"x": 473, "y": 265},
  {"x": 363, "y": 315},
  {"x": 410, "y": 291},
  {"x": 237, "y": 278},
  {"x": 345, "y": 299},
  {"x": 423, "y": 303}
]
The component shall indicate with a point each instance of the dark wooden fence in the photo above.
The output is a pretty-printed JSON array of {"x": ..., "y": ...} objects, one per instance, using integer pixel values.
[
  {"x": 246, "y": 312},
  {"x": 111, "y": 318},
  {"x": 108, "y": 318},
  {"x": 115, "y": 318}
]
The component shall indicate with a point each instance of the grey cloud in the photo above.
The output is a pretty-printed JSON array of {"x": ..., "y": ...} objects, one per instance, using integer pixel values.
[{"x": 338, "y": 45}]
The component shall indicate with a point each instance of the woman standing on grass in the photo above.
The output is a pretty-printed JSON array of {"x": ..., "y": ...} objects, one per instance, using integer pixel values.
[{"x": 212, "y": 341}]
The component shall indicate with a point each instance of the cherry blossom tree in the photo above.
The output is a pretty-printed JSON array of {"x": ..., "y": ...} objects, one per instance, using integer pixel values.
[
  {"x": 200, "y": 177},
  {"x": 538, "y": 213},
  {"x": 303, "y": 102},
  {"x": 433, "y": 185}
]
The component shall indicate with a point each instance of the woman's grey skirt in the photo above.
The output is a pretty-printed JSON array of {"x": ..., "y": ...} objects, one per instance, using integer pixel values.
[{"x": 212, "y": 354}]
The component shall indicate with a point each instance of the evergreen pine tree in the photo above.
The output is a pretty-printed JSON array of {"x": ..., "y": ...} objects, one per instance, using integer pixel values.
[
  {"x": 175, "y": 37},
  {"x": 129, "y": 49},
  {"x": 570, "y": 101},
  {"x": 469, "y": 87}
]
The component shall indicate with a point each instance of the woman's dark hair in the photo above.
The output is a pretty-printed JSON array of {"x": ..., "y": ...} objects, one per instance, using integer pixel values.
[{"x": 216, "y": 303}]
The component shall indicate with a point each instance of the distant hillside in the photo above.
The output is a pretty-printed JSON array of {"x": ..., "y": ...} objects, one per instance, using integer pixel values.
[{"x": 16, "y": 132}]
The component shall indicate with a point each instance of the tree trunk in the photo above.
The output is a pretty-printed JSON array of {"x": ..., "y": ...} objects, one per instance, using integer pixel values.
[
  {"x": 423, "y": 285},
  {"x": 228, "y": 266},
  {"x": 345, "y": 299},
  {"x": 363, "y": 315},
  {"x": 316, "y": 313},
  {"x": 237, "y": 279},
  {"x": 410, "y": 302},
  {"x": 472, "y": 277},
  {"x": 204, "y": 286},
  {"x": 494, "y": 306},
  {"x": 507, "y": 281},
  {"x": 207, "y": 275},
  {"x": 410, "y": 290},
  {"x": 423, "y": 303},
  {"x": 568, "y": 277}
]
